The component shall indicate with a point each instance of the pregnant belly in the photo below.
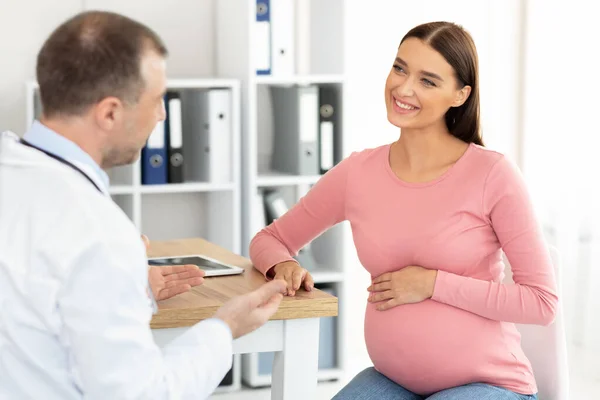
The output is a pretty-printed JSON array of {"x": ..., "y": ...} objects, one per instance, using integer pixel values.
[{"x": 430, "y": 346}]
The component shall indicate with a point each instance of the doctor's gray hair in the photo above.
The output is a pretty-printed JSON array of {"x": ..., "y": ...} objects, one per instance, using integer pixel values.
[{"x": 91, "y": 56}]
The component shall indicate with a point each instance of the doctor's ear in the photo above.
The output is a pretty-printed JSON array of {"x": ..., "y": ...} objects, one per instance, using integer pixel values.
[{"x": 108, "y": 113}]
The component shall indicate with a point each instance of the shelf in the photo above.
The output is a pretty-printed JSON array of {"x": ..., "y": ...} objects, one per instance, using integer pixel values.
[
  {"x": 190, "y": 187},
  {"x": 274, "y": 179},
  {"x": 201, "y": 83},
  {"x": 298, "y": 79},
  {"x": 183, "y": 83},
  {"x": 120, "y": 189}
]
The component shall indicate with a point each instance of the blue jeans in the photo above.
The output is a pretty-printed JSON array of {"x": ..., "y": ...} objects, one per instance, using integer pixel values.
[{"x": 372, "y": 385}]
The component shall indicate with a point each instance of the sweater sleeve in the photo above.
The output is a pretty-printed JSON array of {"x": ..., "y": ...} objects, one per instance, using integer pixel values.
[
  {"x": 320, "y": 209},
  {"x": 533, "y": 298}
]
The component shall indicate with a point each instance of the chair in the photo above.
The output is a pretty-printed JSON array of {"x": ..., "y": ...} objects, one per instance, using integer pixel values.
[{"x": 546, "y": 346}]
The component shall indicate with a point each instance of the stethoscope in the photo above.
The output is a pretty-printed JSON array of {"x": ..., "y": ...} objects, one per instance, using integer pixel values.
[
  {"x": 62, "y": 160},
  {"x": 73, "y": 166}
]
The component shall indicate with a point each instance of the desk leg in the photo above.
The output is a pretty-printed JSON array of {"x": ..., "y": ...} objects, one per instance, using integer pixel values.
[{"x": 295, "y": 368}]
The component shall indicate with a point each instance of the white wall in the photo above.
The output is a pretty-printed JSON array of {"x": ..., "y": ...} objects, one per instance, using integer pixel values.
[
  {"x": 185, "y": 25},
  {"x": 560, "y": 153},
  {"x": 24, "y": 25},
  {"x": 373, "y": 34}
]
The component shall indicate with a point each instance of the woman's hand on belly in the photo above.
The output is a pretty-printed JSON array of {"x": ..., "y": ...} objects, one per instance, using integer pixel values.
[{"x": 411, "y": 284}]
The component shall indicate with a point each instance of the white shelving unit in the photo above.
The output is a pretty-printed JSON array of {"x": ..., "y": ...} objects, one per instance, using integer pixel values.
[
  {"x": 271, "y": 180},
  {"x": 318, "y": 47},
  {"x": 298, "y": 79},
  {"x": 179, "y": 210},
  {"x": 223, "y": 213}
]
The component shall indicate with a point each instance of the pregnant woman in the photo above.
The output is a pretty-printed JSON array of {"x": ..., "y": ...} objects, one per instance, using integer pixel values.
[{"x": 431, "y": 214}]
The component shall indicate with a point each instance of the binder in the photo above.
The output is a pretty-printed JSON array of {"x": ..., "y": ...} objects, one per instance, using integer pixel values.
[
  {"x": 175, "y": 137},
  {"x": 276, "y": 207},
  {"x": 296, "y": 129},
  {"x": 329, "y": 128},
  {"x": 38, "y": 109},
  {"x": 262, "y": 37},
  {"x": 206, "y": 116},
  {"x": 154, "y": 157},
  {"x": 228, "y": 378},
  {"x": 259, "y": 217},
  {"x": 302, "y": 32},
  {"x": 282, "y": 37}
]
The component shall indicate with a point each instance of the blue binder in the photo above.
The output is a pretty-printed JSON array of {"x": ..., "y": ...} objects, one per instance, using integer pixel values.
[
  {"x": 263, "y": 37},
  {"x": 154, "y": 157}
]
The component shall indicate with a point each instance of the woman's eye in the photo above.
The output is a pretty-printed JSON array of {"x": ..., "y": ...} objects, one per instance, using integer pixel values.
[
  {"x": 398, "y": 68},
  {"x": 427, "y": 82}
]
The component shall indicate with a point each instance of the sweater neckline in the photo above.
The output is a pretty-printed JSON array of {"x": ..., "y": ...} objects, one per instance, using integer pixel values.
[{"x": 432, "y": 182}]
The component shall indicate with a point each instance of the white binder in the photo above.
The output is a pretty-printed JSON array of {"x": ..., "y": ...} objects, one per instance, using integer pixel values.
[
  {"x": 326, "y": 143},
  {"x": 282, "y": 37},
  {"x": 207, "y": 137},
  {"x": 262, "y": 38},
  {"x": 296, "y": 130},
  {"x": 259, "y": 218},
  {"x": 302, "y": 43}
]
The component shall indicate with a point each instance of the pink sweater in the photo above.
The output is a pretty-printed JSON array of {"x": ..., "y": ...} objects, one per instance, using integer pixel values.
[{"x": 456, "y": 224}]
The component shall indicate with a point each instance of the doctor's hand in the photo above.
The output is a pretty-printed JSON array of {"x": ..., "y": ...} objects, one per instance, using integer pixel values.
[
  {"x": 411, "y": 284},
  {"x": 294, "y": 275},
  {"x": 170, "y": 281},
  {"x": 244, "y": 314}
]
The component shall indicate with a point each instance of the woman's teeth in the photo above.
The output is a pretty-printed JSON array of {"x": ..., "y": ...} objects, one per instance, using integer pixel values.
[{"x": 405, "y": 106}]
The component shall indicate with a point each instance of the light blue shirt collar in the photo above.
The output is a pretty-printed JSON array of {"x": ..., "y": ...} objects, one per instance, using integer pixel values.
[{"x": 46, "y": 139}]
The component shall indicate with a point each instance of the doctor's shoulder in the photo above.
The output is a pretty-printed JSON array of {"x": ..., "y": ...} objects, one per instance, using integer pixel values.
[
  {"x": 79, "y": 203},
  {"x": 91, "y": 220}
]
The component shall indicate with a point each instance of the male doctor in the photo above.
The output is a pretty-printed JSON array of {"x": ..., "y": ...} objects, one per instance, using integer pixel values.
[{"x": 74, "y": 305}]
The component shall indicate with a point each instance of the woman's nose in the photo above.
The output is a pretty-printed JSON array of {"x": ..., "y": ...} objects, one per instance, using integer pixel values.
[{"x": 406, "y": 88}]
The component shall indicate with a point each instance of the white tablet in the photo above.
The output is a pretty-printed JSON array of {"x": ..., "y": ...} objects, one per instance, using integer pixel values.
[{"x": 209, "y": 265}]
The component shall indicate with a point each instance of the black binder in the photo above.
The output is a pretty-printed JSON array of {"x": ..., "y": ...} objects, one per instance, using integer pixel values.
[
  {"x": 174, "y": 128},
  {"x": 330, "y": 152}
]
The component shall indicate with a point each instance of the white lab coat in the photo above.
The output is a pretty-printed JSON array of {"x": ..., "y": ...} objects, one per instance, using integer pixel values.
[{"x": 74, "y": 312}]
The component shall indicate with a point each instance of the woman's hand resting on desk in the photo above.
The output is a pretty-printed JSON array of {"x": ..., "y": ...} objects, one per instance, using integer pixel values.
[
  {"x": 411, "y": 284},
  {"x": 293, "y": 275}
]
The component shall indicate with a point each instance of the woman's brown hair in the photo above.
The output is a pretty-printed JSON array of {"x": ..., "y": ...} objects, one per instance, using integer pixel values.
[{"x": 458, "y": 48}]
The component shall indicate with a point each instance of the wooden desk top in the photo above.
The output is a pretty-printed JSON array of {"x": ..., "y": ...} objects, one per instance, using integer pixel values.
[{"x": 203, "y": 301}]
